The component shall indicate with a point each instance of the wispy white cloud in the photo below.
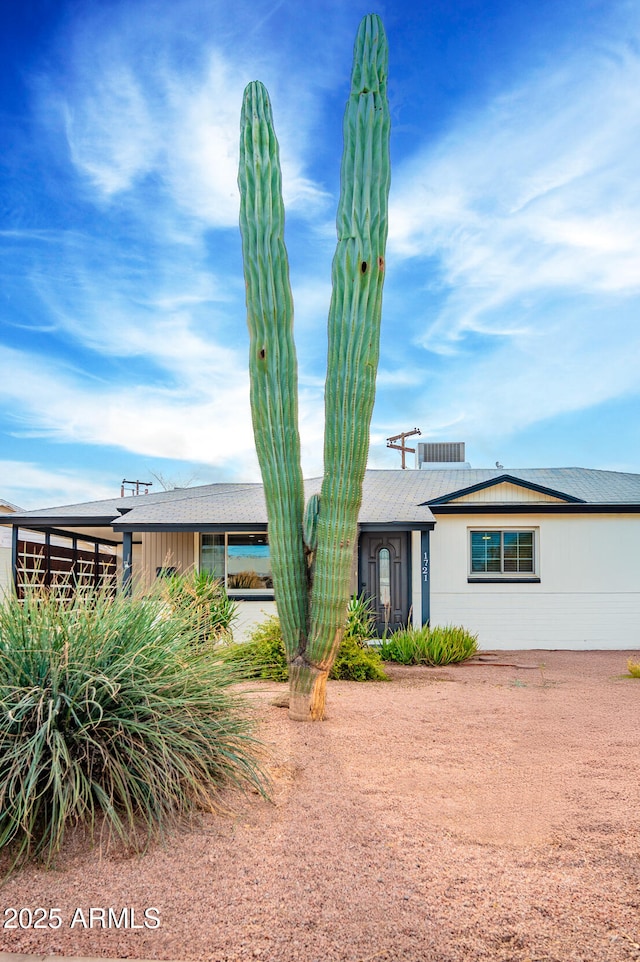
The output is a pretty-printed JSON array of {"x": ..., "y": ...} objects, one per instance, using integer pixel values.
[
  {"x": 526, "y": 219},
  {"x": 209, "y": 423},
  {"x": 128, "y": 117},
  {"x": 35, "y": 485}
]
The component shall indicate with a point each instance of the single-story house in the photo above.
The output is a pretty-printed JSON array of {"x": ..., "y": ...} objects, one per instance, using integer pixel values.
[{"x": 527, "y": 558}]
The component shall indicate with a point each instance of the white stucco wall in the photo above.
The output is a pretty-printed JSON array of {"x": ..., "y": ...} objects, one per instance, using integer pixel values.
[
  {"x": 589, "y": 590},
  {"x": 251, "y": 614}
]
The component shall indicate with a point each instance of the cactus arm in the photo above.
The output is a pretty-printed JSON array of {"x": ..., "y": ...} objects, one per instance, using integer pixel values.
[
  {"x": 272, "y": 360},
  {"x": 310, "y": 522},
  {"x": 354, "y": 338}
]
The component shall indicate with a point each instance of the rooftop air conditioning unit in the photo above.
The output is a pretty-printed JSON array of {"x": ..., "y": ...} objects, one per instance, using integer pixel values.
[{"x": 441, "y": 454}]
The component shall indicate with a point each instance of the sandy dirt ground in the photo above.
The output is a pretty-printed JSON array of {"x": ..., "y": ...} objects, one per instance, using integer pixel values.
[{"x": 481, "y": 811}]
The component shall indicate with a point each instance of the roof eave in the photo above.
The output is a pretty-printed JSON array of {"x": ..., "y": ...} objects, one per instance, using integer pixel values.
[
  {"x": 502, "y": 479},
  {"x": 541, "y": 507}
]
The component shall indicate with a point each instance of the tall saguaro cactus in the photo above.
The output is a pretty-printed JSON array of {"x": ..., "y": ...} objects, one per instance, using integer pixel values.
[{"x": 313, "y": 609}]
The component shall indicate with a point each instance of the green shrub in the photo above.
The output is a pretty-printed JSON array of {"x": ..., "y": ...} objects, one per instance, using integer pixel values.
[
  {"x": 263, "y": 655},
  {"x": 201, "y": 599},
  {"x": 429, "y": 646},
  {"x": 357, "y": 662},
  {"x": 633, "y": 668},
  {"x": 107, "y": 706}
]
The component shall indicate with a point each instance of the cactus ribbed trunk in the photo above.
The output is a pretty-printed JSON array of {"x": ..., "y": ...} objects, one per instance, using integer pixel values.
[
  {"x": 272, "y": 360},
  {"x": 353, "y": 336},
  {"x": 313, "y": 627}
]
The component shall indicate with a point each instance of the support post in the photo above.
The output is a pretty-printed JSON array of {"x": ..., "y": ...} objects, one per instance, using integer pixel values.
[
  {"x": 127, "y": 561},
  {"x": 47, "y": 559},
  {"x": 425, "y": 578},
  {"x": 15, "y": 534}
]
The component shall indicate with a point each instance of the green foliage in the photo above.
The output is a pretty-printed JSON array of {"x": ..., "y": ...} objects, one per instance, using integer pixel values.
[
  {"x": 202, "y": 601},
  {"x": 429, "y": 646},
  {"x": 361, "y": 621},
  {"x": 356, "y": 661},
  {"x": 108, "y": 707},
  {"x": 633, "y": 668},
  {"x": 264, "y": 656}
]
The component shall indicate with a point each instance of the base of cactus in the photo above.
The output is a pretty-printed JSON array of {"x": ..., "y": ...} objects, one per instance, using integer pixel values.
[{"x": 307, "y": 692}]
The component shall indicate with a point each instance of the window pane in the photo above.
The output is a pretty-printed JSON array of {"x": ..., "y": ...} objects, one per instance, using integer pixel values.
[
  {"x": 248, "y": 561},
  {"x": 485, "y": 551},
  {"x": 384, "y": 578},
  {"x": 212, "y": 555},
  {"x": 518, "y": 550}
]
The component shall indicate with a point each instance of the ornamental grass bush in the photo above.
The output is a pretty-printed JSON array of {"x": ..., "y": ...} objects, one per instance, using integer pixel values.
[
  {"x": 202, "y": 599},
  {"x": 110, "y": 711},
  {"x": 440, "y": 645}
]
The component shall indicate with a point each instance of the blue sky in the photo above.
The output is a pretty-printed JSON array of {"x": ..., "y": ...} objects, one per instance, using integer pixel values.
[{"x": 512, "y": 296}]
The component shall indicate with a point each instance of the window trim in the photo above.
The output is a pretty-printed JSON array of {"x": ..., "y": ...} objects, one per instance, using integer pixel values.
[{"x": 504, "y": 577}]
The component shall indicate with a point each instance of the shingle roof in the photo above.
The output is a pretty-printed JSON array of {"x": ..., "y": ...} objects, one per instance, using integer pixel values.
[
  {"x": 112, "y": 507},
  {"x": 391, "y": 496},
  {"x": 587, "y": 484}
]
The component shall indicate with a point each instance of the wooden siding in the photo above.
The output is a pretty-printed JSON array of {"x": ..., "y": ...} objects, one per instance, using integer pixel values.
[
  {"x": 506, "y": 493},
  {"x": 166, "y": 549}
]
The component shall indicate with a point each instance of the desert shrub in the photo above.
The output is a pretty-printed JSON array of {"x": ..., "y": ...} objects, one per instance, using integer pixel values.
[
  {"x": 108, "y": 707},
  {"x": 202, "y": 601},
  {"x": 264, "y": 656},
  {"x": 356, "y": 661},
  {"x": 633, "y": 668},
  {"x": 440, "y": 645}
]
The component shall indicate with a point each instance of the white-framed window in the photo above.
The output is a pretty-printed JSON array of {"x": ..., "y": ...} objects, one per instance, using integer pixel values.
[
  {"x": 240, "y": 559},
  {"x": 503, "y": 554}
]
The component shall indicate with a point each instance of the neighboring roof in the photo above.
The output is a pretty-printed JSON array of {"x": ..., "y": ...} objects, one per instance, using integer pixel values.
[
  {"x": 389, "y": 497},
  {"x": 7, "y": 508}
]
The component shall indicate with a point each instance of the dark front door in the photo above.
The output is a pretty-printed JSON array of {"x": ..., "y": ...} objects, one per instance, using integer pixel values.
[{"x": 384, "y": 577}]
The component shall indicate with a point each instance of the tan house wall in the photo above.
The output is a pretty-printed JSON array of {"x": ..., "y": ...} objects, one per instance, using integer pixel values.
[
  {"x": 506, "y": 493},
  {"x": 589, "y": 590},
  {"x": 5, "y": 562},
  {"x": 5, "y": 549},
  {"x": 164, "y": 549}
]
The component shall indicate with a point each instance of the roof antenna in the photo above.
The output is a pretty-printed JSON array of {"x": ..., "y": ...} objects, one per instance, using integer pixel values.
[{"x": 402, "y": 447}]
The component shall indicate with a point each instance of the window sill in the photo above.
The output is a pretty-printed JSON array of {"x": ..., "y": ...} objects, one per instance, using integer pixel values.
[
  {"x": 502, "y": 581},
  {"x": 239, "y": 595}
]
